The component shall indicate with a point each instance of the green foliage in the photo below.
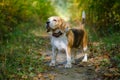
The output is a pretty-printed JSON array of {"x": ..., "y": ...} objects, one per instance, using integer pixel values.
[
  {"x": 21, "y": 56},
  {"x": 111, "y": 40},
  {"x": 102, "y": 15},
  {"x": 105, "y": 17},
  {"x": 20, "y": 49},
  {"x": 14, "y": 12}
]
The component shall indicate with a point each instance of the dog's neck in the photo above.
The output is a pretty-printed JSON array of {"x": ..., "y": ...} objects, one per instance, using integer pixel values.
[{"x": 57, "y": 34}]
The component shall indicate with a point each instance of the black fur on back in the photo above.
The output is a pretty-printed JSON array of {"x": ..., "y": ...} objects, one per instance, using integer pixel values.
[{"x": 78, "y": 36}]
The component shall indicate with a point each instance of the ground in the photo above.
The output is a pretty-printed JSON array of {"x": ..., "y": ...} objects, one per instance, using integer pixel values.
[
  {"x": 98, "y": 66},
  {"x": 79, "y": 71}
]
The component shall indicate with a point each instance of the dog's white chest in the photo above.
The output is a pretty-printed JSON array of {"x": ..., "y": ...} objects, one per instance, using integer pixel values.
[{"x": 59, "y": 43}]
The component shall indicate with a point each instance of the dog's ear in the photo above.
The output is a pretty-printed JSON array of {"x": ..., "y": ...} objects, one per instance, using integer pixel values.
[{"x": 63, "y": 25}]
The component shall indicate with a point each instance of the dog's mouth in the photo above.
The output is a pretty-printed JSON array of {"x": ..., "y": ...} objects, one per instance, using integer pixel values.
[{"x": 48, "y": 28}]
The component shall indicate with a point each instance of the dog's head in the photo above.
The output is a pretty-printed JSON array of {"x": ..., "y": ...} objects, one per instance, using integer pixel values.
[{"x": 56, "y": 24}]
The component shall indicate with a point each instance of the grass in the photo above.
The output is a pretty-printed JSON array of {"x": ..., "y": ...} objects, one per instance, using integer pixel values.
[{"x": 21, "y": 54}]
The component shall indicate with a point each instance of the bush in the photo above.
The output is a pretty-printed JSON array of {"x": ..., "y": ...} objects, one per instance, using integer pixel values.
[
  {"x": 14, "y": 12},
  {"x": 20, "y": 55}
]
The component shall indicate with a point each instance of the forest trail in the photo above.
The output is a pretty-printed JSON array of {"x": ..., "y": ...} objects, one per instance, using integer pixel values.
[
  {"x": 79, "y": 71},
  {"x": 97, "y": 68}
]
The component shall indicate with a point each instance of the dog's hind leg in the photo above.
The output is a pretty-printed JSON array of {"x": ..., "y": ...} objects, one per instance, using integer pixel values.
[
  {"x": 74, "y": 51},
  {"x": 84, "y": 48},
  {"x": 85, "y": 55}
]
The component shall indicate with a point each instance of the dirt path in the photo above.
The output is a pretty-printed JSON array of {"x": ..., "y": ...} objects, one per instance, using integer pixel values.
[
  {"x": 97, "y": 67},
  {"x": 79, "y": 71}
]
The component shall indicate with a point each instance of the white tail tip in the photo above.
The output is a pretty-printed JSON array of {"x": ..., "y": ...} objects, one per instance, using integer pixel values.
[{"x": 83, "y": 15}]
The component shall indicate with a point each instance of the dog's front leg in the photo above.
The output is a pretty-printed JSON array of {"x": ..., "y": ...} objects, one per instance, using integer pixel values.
[
  {"x": 68, "y": 54},
  {"x": 54, "y": 54}
]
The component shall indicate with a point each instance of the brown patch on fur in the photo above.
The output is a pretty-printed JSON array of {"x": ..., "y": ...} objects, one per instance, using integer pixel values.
[
  {"x": 70, "y": 36},
  {"x": 76, "y": 38}
]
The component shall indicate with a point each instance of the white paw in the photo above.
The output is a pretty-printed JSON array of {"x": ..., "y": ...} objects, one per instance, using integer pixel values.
[
  {"x": 52, "y": 64},
  {"x": 84, "y": 60},
  {"x": 68, "y": 66}
]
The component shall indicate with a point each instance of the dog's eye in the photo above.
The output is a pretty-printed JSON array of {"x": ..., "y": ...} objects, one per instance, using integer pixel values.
[{"x": 54, "y": 20}]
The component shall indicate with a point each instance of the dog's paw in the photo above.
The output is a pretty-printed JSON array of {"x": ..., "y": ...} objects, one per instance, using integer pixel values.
[
  {"x": 52, "y": 64},
  {"x": 84, "y": 60},
  {"x": 68, "y": 66}
]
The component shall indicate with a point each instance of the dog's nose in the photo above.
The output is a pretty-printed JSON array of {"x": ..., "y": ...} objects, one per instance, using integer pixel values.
[{"x": 47, "y": 22}]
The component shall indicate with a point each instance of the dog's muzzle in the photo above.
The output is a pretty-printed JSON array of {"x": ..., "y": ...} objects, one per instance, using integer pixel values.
[{"x": 47, "y": 26}]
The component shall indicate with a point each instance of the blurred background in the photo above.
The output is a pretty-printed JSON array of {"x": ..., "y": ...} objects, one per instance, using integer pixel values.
[
  {"x": 103, "y": 17},
  {"x": 22, "y": 23}
]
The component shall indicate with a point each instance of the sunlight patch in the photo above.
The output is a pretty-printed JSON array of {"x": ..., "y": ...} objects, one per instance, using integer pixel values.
[{"x": 61, "y": 8}]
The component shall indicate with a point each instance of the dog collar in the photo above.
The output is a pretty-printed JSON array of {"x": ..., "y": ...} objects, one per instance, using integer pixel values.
[{"x": 57, "y": 34}]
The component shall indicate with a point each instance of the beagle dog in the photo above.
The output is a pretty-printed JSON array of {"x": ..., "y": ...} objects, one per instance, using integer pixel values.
[{"x": 64, "y": 38}]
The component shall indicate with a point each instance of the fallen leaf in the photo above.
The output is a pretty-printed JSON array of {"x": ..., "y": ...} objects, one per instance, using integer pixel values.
[
  {"x": 108, "y": 74},
  {"x": 40, "y": 76},
  {"x": 35, "y": 78},
  {"x": 47, "y": 58},
  {"x": 52, "y": 77},
  {"x": 113, "y": 69},
  {"x": 24, "y": 76}
]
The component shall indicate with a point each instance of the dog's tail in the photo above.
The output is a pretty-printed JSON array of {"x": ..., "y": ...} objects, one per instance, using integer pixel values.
[
  {"x": 83, "y": 20},
  {"x": 83, "y": 17}
]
